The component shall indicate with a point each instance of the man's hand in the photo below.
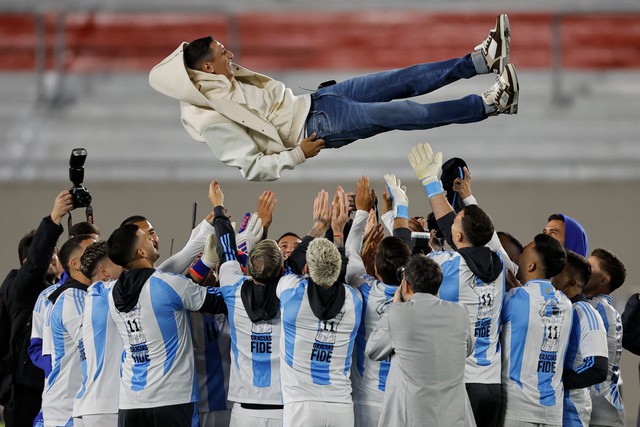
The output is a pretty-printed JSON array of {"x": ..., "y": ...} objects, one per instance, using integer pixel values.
[
  {"x": 215, "y": 194},
  {"x": 252, "y": 233},
  {"x": 398, "y": 195},
  {"x": 266, "y": 204},
  {"x": 416, "y": 225},
  {"x": 462, "y": 186},
  {"x": 387, "y": 202},
  {"x": 370, "y": 247},
  {"x": 321, "y": 214},
  {"x": 62, "y": 204},
  {"x": 371, "y": 222},
  {"x": 425, "y": 163},
  {"x": 364, "y": 201},
  {"x": 339, "y": 216},
  {"x": 311, "y": 146}
]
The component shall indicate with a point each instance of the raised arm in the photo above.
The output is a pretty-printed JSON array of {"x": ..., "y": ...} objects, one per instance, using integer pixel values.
[
  {"x": 353, "y": 246},
  {"x": 232, "y": 144},
  {"x": 31, "y": 275}
]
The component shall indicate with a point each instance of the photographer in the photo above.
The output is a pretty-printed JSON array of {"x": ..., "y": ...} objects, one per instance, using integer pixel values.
[{"x": 19, "y": 292}]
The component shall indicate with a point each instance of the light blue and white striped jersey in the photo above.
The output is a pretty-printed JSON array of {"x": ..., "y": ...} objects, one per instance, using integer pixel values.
[
  {"x": 536, "y": 324},
  {"x": 67, "y": 357},
  {"x": 103, "y": 352},
  {"x": 484, "y": 302},
  {"x": 608, "y": 407},
  {"x": 316, "y": 355},
  {"x": 158, "y": 366},
  {"x": 37, "y": 323},
  {"x": 588, "y": 339},
  {"x": 369, "y": 377},
  {"x": 255, "y": 347},
  {"x": 211, "y": 347}
]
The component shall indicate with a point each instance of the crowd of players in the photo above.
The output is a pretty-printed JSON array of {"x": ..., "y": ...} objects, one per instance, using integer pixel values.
[{"x": 342, "y": 326}]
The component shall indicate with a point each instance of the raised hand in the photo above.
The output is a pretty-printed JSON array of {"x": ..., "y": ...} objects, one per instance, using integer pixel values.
[
  {"x": 321, "y": 214},
  {"x": 425, "y": 163},
  {"x": 462, "y": 186},
  {"x": 266, "y": 205},
  {"x": 398, "y": 195},
  {"x": 62, "y": 204},
  {"x": 216, "y": 197}
]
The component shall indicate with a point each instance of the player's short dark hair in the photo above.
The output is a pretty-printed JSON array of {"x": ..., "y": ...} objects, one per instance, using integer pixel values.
[
  {"x": 197, "y": 52},
  {"x": 287, "y": 234},
  {"x": 551, "y": 253},
  {"x": 69, "y": 249},
  {"x": 24, "y": 245},
  {"x": 94, "y": 253},
  {"x": 133, "y": 219},
  {"x": 121, "y": 246},
  {"x": 391, "y": 254},
  {"x": 476, "y": 225},
  {"x": 580, "y": 267},
  {"x": 83, "y": 227},
  {"x": 555, "y": 216},
  {"x": 613, "y": 266},
  {"x": 423, "y": 274}
]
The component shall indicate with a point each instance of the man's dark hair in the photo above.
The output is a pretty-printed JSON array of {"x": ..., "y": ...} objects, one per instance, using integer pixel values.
[
  {"x": 423, "y": 274},
  {"x": 613, "y": 266},
  {"x": 69, "y": 248},
  {"x": 121, "y": 246},
  {"x": 516, "y": 248},
  {"x": 24, "y": 245},
  {"x": 476, "y": 225},
  {"x": 133, "y": 219},
  {"x": 197, "y": 52},
  {"x": 287, "y": 234},
  {"x": 91, "y": 256},
  {"x": 580, "y": 267},
  {"x": 392, "y": 253},
  {"x": 83, "y": 227},
  {"x": 554, "y": 217},
  {"x": 551, "y": 253}
]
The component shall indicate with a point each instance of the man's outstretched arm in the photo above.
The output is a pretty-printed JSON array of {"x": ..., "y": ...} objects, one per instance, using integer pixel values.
[{"x": 235, "y": 147}]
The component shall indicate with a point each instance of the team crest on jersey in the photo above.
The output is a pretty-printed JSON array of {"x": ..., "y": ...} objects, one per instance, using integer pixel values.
[
  {"x": 328, "y": 329},
  {"x": 486, "y": 298},
  {"x": 261, "y": 327},
  {"x": 552, "y": 317},
  {"x": 383, "y": 306}
]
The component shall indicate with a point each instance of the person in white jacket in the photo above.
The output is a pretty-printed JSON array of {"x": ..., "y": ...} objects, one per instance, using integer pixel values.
[{"x": 256, "y": 124}]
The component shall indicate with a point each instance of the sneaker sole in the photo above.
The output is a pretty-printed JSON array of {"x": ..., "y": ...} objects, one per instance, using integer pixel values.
[
  {"x": 504, "y": 31},
  {"x": 512, "y": 79}
]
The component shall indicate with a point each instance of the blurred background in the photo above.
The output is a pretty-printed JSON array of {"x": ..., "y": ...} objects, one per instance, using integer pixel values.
[{"x": 74, "y": 74}]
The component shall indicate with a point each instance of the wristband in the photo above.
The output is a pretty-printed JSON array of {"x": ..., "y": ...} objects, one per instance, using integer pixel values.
[
  {"x": 403, "y": 212},
  {"x": 337, "y": 235},
  {"x": 434, "y": 188},
  {"x": 199, "y": 270}
]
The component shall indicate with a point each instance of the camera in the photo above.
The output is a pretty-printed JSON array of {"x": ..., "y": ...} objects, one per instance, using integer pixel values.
[{"x": 81, "y": 196}]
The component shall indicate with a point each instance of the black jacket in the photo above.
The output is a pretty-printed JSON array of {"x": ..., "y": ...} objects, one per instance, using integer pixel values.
[
  {"x": 19, "y": 293},
  {"x": 631, "y": 325}
]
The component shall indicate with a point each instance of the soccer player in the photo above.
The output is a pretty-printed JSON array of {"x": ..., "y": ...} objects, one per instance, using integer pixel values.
[
  {"x": 586, "y": 360},
  {"x": 96, "y": 403},
  {"x": 474, "y": 275},
  {"x": 568, "y": 232},
  {"x": 608, "y": 273},
  {"x": 256, "y": 124},
  {"x": 369, "y": 376},
  {"x": 320, "y": 318},
  {"x": 536, "y": 321},
  {"x": 150, "y": 309},
  {"x": 67, "y": 352}
]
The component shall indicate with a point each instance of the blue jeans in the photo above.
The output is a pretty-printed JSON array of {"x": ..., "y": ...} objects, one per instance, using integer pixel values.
[{"x": 359, "y": 108}]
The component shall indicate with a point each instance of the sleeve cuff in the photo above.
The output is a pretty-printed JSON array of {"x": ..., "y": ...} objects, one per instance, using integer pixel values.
[{"x": 297, "y": 155}]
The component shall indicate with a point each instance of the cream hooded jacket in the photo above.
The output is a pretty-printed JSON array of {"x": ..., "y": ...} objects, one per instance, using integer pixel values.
[{"x": 251, "y": 122}]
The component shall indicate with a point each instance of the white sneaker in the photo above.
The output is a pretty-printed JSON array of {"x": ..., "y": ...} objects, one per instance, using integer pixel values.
[
  {"x": 503, "y": 95},
  {"x": 495, "y": 48}
]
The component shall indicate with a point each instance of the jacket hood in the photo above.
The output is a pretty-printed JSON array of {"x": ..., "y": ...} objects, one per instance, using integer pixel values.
[
  {"x": 483, "y": 262},
  {"x": 326, "y": 303},
  {"x": 127, "y": 289},
  {"x": 575, "y": 238},
  {"x": 171, "y": 77}
]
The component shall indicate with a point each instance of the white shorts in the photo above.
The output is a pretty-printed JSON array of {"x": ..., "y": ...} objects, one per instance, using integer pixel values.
[
  {"x": 97, "y": 420},
  {"x": 242, "y": 417},
  {"x": 318, "y": 414},
  {"x": 366, "y": 415},
  {"x": 215, "y": 418}
]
